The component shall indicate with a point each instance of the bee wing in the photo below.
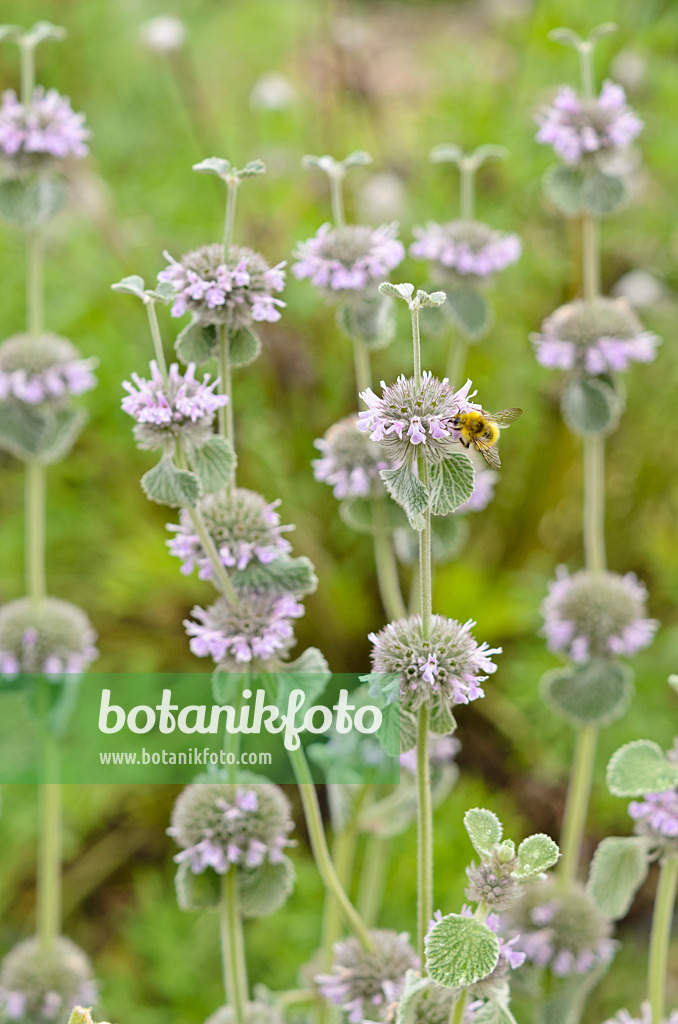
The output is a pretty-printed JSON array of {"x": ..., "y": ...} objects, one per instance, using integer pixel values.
[
  {"x": 488, "y": 451},
  {"x": 505, "y": 417}
]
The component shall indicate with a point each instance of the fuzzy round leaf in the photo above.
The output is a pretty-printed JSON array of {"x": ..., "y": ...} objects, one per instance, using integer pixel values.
[
  {"x": 30, "y": 202},
  {"x": 618, "y": 869},
  {"x": 369, "y": 319},
  {"x": 590, "y": 406},
  {"x": 494, "y": 1012},
  {"x": 460, "y": 951},
  {"x": 450, "y": 483},
  {"x": 408, "y": 491},
  {"x": 167, "y": 485},
  {"x": 640, "y": 767},
  {"x": 196, "y": 892},
  {"x": 564, "y": 187},
  {"x": 536, "y": 854},
  {"x": 470, "y": 311},
  {"x": 213, "y": 165},
  {"x": 244, "y": 347},
  {"x": 43, "y": 434},
  {"x": 593, "y": 694},
  {"x": 602, "y": 193},
  {"x": 197, "y": 343},
  {"x": 310, "y": 673},
  {"x": 133, "y": 285},
  {"x": 214, "y": 464},
  {"x": 284, "y": 575},
  {"x": 484, "y": 829},
  {"x": 265, "y": 890}
]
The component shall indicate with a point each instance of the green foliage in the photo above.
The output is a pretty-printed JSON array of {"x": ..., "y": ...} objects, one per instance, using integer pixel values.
[
  {"x": 590, "y": 406},
  {"x": 640, "y": 767},
  {"x": 484, "y": 830},
  {"x": 450, "y": 483},
  {"x": 283, "y": 575},
  {"x": 409, "y": 492},
  {"x": 618, "y": 869},
  {"x": 32, "y": 201},
  {"x": 214, "y": 463},
  {"x": 244, "y": 346},
  {"x": 265, "y": 890},
  {"x": 460, "y": 951},
  {"x": 471, "y": 312},
  {"x": 40, "y": 433},
  {"x": 167, "y": 485},
  {"x": 197, "y": 342},
  {"x": 575, "y": 191},
  {"x": 596, "y": 693},
  {"x": 536, "y": 854}
]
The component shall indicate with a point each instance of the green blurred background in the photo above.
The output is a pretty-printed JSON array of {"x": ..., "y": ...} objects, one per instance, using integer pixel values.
[{"x": 394, "y": 78}]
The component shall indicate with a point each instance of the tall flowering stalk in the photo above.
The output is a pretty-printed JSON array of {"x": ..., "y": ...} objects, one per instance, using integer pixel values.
[{"x": 44, "y": 641}]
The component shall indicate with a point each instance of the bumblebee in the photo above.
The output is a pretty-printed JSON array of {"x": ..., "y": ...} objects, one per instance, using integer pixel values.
[{"x": 481, "y": 429}]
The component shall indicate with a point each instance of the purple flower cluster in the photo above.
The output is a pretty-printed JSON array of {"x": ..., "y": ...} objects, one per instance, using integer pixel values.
[
  {"x": 40, "y": 987},
  {"x": 165, "y": 409},
  {"x": 466, "y": 248},
  {"x": 410, "y": 414},
  {"x": 598, "y": 337},
  {"x": 656, "y": 815},
  {"x": 447, "y": 666},
  {"x": 258, "y": 627},
  {"x": 366, "y": 983},
  {"x": 350, "y": 258},
  {"x": 350, "y": 462},
  {"x": 54, "y": 637},
  {"x": 243, "y": 526},
  {"x": 577, "y": 127},
  {"x": 233, "y": 288},
  {"x": 72, "y": 378},
  {"x": 47, "y": 127},
  {"x": 624, "y": 1017},
  {"x": 596, "y": 615}
]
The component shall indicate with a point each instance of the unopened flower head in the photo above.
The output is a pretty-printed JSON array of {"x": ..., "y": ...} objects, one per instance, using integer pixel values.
[
  {"x": 235, "y": 288},
  {"x": 624, "y": 1017},
  {"x": 165, "y": 410},
  {"x": 484, "y": 483},
  {"x": 217, "y": 825},
  {"x": 562, "y": 930},
  {"x": 590, "y": 615},
  {"x": 366, "y": 983},
  {"x": 603, "y": 336},
  {"x": 43, "y": 368},
  {"x": 446, "y": 667},
  {"x": 493, "y": 882},
  {"x": 577, "y": 127},
  {"x": 656, "y": 817},
  {"x": 42, "y": 987},
  {"x": 255, "y": 1013},
  {"x": 350, "y": 462},
  {"x": 51, "y": 636},
  {"x": 258, "y": 627},
  {"x": 42, "y": 131},
  {"x": 243, "y": 525},
  {"x": 350, "y": 258},
  {"x": 465, "y": 249},
  {"x": 415, "y": 417}
]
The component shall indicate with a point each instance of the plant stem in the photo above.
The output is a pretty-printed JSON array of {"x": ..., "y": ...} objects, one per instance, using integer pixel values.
[
  {"x": 343, "y": 855},
  {"x": 459, "y": 1009},
  {"x": 321, "y": 853},
  {"x": 361, "y": 359},
  {"x": 590, "y": 234},
  {"x": 157, "y": 339},
  {"x": 373, "y": 879},
  {"x": 387, "y": 566},
  {"x": 457, "y": 360},
  {"x": 424, "y": 833},
  {"x": 416, "y": 346},
  {"x": 48, "y": 882},
  {"x": 232, "y": 946},
  {"x": 27, "y": 72},
  {"x": 337, "y": 198},
  {"x": 576, "y": 807},
  {"x": 594, "y": 502},
  {"x": 34, "y": 281},
  {"x": 229, "y": 219},
  {"x": 467, "y": 198},
  {"x": 426, "y": 575},
  {"x": 225, "y": 387},
  {"x": 660, "y": 936},
  {"x": 34, "y": 510}
]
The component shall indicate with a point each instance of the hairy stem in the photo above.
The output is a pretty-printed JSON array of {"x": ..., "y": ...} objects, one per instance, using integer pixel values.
[
  {"x": 373, "y": 878},
  {"x": 343, "y": 856},
  {"x": 424, "y": 833},
  {"x": 416, "y": 346},
  {"x": 576, "y": 807},
  {"x": 34, "y": 281},
  {"x": 361, "y": 360},
  {"x": 225, "y": 387},
  {"x": 233, "y": 946},
  {"x": 337, "y": 199},
  {"x": 467, "y": 197},
  {"x": 321, "y": 852},
  {"x": 594, "y": 503},
  {"x": 48, "y": 882},
  {"x": 387, "y": 566},
  {"x": 156, "y": 336},
  {"x": 660, "y": 936},
  {"x": 590, "y": 233},
  {"x": 34, "y": 511},
  {"x": 229, "y": 219},
  {"x": 459, "y": 1009}
]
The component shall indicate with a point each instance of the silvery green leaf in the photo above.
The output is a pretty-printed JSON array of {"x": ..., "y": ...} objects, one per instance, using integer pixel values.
[
  {"x": 244, "y": 346},
  {"x": 425, "y": 299},
  {"x": 484, "y": 830},
  {"x": 494, "y": 1012},
  {"x": 266, "y": 889},
  {"x": 408, "y": 730},
  {"x": 283, "y": 575},
  {"x": 442, "y": 721},
  {"x": 213, "y": 165},
  {"x": 447, "y": 152},
  {"x": 134, "y": 285},
  {"x": 324, "y": 163},
  {"x": 64, "y": 430},
  {"x": 197, "y": 342},
  {"x": 309, "y": 672},
  {"x": 460, "y": 951},
  {"x": 564, "y": 187},
  {"x": 164, "y": 290},
  {"x": 214, "y": 463},
  {"x": 251, "y": 169},
  {"x": 400, "y": 291},
  {"x": 590, "y": 406},
  {"x": 565, "y": 36},
  {"x": 368, "y": 318},
  {"x": 602, "y": 193},
  {"x": 197, "y": 892},
  {"x": 406, "y": 1007},
  {"x": 673, "y": 683},
  {"x": 506, "y": 850},
  {"x": 640, "y": 767},
  {"x": 23, "y": 429},
  {"x": 450, "y": 483},
  {"x": 227, "y": 686},
  {"x": 489, "y": 151},
  {"x": 596, "y": 693},
  {"x": 167, "y": 485},
  {"x": 46, "y": 30},
  {"x": 536, "y": 854},
  {"x": 470, "y": 311},
  {"x": 388, "y": 732},
  {"x": 606, "y": 29},
  {"x": 409, "y": 492},
  {"x": 30, "y": 202},
  {"x": 618, "y": 869},
  {"x": 359, "y": 158}
]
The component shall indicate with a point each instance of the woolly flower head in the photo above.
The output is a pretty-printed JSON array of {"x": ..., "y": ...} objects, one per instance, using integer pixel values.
[
  {"x": 350, "y": 462},
  {"x": 590, "y": 615},
  {"x": 596, "y": 337},
  {"x": 562, "y": 930},
  {"x": 624, "y": 1017},
  {"x": 366, "y": 982},
  {"x": 493, "y": 882},
  {"x": 243, "y": 525},
  {"x": 217, "y": 825},
  {"x": 656, "y": 817},
  {"x": 51, "y": 636},
  {"x": 350, "y": 258},
  {"x": 577, "y": 127},
  {"x": 409, "y": 415},
  {"x": 446, "y": 667},
  {"x": 180, "y": 406},
  {"x": 235, "y": 288},
  {"x": 38, "y": 987},
  {"x": 43, "y": 368},
  {"x": 465, "y": 249},
  {"x": 255, "y": 1013},
  {"x": 46, "y": 129},
  {"x": 259, "y": 626}
]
